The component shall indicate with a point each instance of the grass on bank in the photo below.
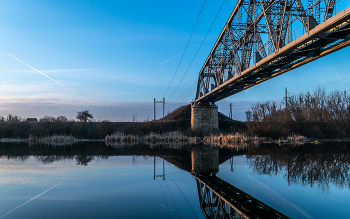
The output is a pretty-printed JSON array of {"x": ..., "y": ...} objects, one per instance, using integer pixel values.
[{"x": 175, "y": 136}]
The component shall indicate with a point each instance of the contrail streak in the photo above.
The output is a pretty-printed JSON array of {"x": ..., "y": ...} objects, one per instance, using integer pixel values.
[
  {"x": 30, "y": 199},
  {"x": 170, "y": 59},
  {"x": 34, "y": 69}
]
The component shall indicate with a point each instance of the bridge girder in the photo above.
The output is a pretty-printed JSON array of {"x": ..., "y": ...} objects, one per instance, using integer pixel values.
[{"x": 257, "y": 44}]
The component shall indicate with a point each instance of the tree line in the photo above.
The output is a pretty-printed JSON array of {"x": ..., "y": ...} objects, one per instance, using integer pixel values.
[
  {"x": 83, "y": 116},
  {"x": 84, "y": 126},
  {"x": 319, "y": 114}
]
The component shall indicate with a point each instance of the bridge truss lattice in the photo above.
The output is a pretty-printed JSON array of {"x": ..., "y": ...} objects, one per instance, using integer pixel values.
[{"x": 265, "y": 38}]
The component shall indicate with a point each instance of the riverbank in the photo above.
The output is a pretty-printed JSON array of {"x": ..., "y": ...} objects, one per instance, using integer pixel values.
[
  {"x": 237, "y": 140},
  {"x": 178, "y": 120}
]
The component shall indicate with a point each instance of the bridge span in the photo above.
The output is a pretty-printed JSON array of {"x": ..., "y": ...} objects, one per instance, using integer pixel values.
[
  {"x": 263, "y": 39},
  {"x": 241, "y": 59}
]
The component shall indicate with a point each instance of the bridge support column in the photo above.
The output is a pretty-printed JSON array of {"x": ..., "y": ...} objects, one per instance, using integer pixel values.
[{"x": 204, "y": 116}]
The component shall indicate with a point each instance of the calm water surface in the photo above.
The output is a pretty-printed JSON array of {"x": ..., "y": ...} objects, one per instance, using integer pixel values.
[{"x": 98, "y": 181}]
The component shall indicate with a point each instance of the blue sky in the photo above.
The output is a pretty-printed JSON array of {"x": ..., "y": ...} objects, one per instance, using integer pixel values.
[{"x": 108, "y": 55}]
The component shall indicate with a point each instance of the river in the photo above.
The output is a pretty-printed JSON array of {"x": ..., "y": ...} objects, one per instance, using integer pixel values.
[{"x": 93, "y": 180}]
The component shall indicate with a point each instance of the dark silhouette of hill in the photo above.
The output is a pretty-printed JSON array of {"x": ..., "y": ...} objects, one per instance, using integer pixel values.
[{"x": 183, "y": 113}]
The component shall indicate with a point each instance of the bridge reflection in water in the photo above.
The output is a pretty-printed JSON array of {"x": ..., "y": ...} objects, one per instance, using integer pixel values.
[{"x": 219, "y": 199}]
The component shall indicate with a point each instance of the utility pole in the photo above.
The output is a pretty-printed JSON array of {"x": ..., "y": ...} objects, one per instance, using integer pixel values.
[
  {"x": 163, "y": 169},
  {"x": 231, "y": 162},
  {"x": 163, "y": 102},
  {"x": 230, "y": 114},
  {"x": 154, "y": 169},
  {"x": 155, "y": 109},
  {"x": 163, "y": 107},
  {"x": 286, "y": 98}
]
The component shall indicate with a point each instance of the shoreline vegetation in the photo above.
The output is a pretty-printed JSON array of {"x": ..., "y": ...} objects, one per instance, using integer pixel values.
[
  {"x": 320, "y": 114},
  {"x": 217, "y": 140}
]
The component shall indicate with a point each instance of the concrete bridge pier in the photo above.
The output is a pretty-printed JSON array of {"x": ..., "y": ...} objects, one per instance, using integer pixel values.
[{"x": 204, "y": 116}]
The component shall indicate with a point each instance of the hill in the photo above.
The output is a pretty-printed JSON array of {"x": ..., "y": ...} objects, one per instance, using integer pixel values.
[{"x": 183, "y": 114}]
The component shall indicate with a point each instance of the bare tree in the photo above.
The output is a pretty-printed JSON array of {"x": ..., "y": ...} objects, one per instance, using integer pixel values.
[
  {"x": 13, "y": 118},
  {"x": 9, "y": 118},
  {"x": 318, "y": 114},
  {"x": 134, "y": 117},
  {"x": 61, "y": 119},
  {"x": 47, "y": 119},
  {"x": 84, "y": 116}
]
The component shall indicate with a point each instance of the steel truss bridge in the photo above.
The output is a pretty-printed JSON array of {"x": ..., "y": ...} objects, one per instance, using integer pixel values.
[{"x": 266, "y": 38}]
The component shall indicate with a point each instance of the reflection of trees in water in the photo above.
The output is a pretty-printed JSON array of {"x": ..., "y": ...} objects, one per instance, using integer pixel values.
[
  {"x": 84, "y": 160},
  {"x": 175, "y": 145},
  {"x": 47, "y": 159},
  {"x": 19, "y": 158},
  {"x": 86, "y": 152},
  {"x": 325, "y": 166}
]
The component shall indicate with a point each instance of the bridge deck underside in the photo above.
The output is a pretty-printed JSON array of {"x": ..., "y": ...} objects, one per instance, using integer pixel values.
[{"x": 328, "y": 37}]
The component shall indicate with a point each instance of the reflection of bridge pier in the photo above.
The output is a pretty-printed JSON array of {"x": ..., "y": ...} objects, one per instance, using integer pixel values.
[{"x": 205, "y": 161}]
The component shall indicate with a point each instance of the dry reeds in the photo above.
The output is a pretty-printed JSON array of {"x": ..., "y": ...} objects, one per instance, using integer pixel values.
[
  {"x": 237, "y": 140},
  {"x": 296, "y": 137},
  {"x": 55, "y": 140},
  {"x": 166, "y": 137},
  {"x": 118, "y": 137},
  {"x": 294, "y": 140}
]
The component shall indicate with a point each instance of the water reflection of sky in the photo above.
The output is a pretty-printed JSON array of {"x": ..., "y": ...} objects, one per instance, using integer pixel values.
[
  {"x": 294, "y": 200},
  {"x": 113, "y": 188}
]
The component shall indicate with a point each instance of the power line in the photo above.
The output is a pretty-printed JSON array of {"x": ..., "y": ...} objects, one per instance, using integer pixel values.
[
  {"x": 177, "y": 104},
  {"x": 185, "y": 48},
  {"x": 173, "y": 200},
  {"x": 198, "y": 49},
  {"x": 185, "y": 97},
  {"x": 194, "y": 213},
  {"x": 165, "y": 199},
  {"x": 186, "y": 92}
]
